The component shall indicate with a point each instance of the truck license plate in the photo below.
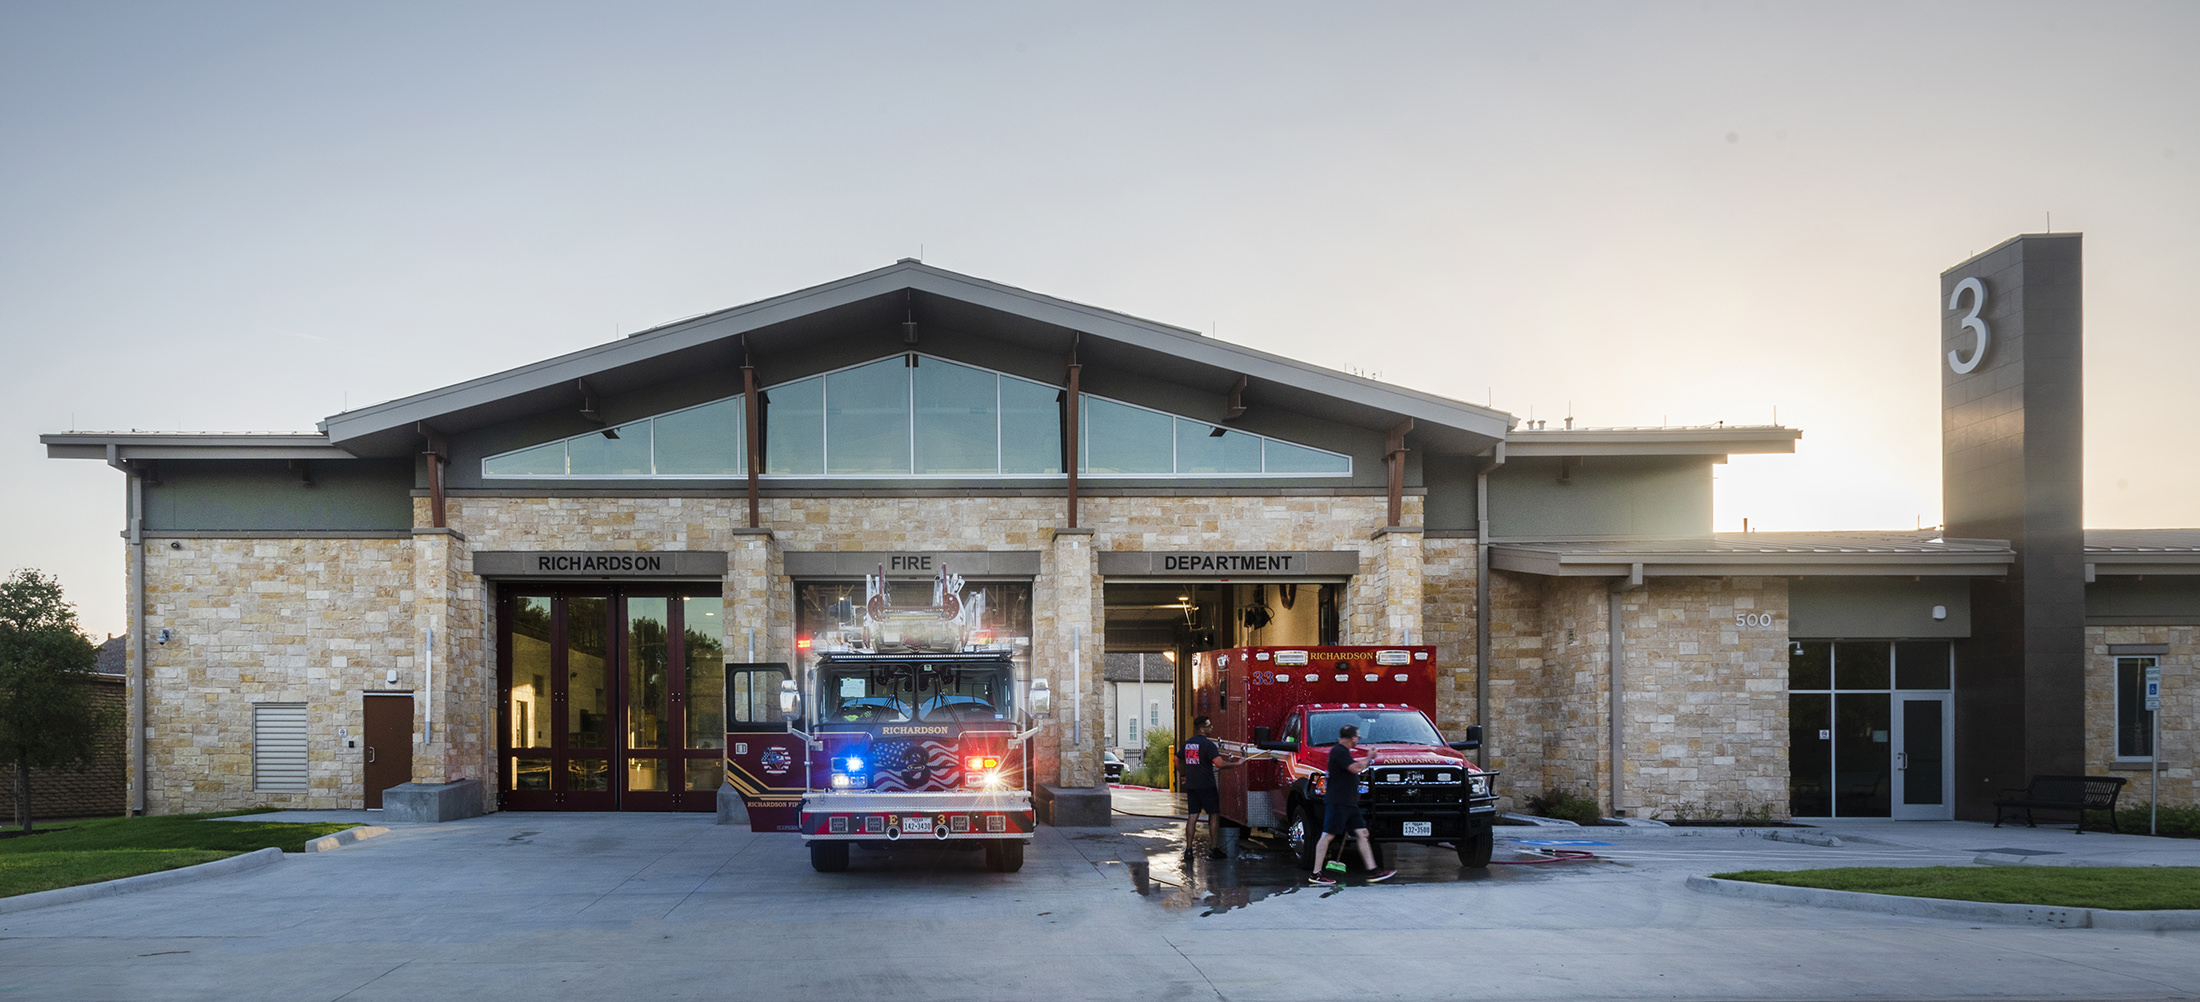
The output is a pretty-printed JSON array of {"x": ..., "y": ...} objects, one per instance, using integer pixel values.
[
  {"x": 916, "y": 826},
  {"x": 1420, "y": 828}
]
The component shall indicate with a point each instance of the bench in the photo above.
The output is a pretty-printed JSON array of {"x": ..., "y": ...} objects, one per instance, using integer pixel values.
[{"x": 2076, "y": 794}]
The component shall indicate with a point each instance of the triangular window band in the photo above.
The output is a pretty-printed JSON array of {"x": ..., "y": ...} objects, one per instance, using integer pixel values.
[{"x": 915, "y": 416}]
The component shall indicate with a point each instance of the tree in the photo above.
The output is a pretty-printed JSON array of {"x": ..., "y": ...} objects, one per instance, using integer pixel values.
[{"x": 48, "y": 718}]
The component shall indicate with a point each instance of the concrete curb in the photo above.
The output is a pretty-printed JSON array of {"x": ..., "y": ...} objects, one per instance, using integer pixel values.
[
  {"x": 142, "y": 882},
  {"x": 2054, "y": 916},
  {"x": 345, "y": 837}
]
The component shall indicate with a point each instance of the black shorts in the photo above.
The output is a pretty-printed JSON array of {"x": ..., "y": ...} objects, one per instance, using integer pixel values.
[
  {"x": 1209, "y": 801},
  {"x": 1342, "y": 819}
]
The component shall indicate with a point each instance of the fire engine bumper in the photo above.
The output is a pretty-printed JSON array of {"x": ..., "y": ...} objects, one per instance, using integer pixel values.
[
  {"x": 1417, "y": 823},
  {"x": 937, "y": 817}
]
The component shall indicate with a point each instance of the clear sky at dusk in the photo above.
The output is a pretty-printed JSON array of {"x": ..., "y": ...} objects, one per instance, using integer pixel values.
[{"x": 248, "y": 217}]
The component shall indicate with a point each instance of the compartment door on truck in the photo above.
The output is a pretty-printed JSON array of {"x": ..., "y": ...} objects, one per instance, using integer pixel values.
[{"x": 767, "y": 763}]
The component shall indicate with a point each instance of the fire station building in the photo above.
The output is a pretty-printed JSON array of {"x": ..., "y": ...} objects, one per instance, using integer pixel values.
[{"x": 531, "y": 583}]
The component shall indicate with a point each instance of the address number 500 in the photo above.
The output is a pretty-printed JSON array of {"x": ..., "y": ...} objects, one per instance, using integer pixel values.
[{"x": 1753, "y": 619}]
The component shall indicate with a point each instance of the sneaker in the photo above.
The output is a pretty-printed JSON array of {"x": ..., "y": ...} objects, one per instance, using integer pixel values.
[
  {"x": 1322, "y": 880},
  {"x": 1381, "y": 875}
]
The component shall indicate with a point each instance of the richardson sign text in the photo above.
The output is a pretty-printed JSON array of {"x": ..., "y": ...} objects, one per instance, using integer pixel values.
[
  {"x": 600, "y": 563},
  {"x": 1225, "y": 563}
]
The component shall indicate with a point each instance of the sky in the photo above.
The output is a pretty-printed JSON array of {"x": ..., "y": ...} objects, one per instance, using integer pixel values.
[{"x": 249, "y": 217}]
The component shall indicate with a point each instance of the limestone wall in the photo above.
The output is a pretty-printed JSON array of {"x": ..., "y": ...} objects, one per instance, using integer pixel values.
[
  {"x": 2180, "y": 712},
  {"x": 1706, "y": 700},
  {"x": 313, "y": 621}
]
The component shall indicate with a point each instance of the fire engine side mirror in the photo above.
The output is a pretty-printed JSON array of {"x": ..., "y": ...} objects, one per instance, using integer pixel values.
[
  {"x": 1042, "y": 698},
  {"x": 1471, "y": 740},
  {"x": 790, "y": 698},
  {"x": 1260, "y": 736}
]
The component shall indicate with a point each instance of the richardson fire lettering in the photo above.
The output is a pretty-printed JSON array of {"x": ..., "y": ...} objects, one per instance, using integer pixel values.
[
  {"x": 601, "y": 562},
  {"x": 1223, "y": 563}
]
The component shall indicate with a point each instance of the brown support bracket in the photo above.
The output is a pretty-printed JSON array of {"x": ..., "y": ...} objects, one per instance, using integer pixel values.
[
  {"x": 1071, "y": 415},
  {"x": 588, "y": 401},
  {"x": 1394, "y": 455},
  {"x": 438, "y": 453},
  {"x": 748, "y": 428},
  {"x": 1236, "y": 407}
]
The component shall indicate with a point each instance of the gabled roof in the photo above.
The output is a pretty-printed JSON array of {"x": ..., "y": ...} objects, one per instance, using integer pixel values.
[
  {"x": 936, "y": 297},
  {"x": 1760, "y": 553}
]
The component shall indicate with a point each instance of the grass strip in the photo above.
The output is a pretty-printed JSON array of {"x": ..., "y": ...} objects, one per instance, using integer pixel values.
[
  {"x": 83, "y": 852},
  {"x": 24, "y": 873},
  {"x": 2121, "y": 888}
]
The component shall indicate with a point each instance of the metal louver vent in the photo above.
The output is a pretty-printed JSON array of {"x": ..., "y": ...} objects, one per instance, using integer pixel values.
[{"x": 279, "y": 747}]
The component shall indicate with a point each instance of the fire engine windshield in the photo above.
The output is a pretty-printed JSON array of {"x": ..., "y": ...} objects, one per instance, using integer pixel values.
[
  {"x": 900, "y": 691},
  {"x": 1404, "y": 727}
]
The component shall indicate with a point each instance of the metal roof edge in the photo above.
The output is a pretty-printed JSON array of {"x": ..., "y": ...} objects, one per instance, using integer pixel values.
[
  {"x": 191, "y": 445},
  {"x": 1691, "y": 441}
]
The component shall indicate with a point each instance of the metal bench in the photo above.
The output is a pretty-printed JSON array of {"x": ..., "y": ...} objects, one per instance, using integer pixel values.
[{"x": 2076, "y": 794}]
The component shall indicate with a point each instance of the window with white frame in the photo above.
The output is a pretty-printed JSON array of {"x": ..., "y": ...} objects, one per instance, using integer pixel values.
[{"x": 2134, "y": 722}]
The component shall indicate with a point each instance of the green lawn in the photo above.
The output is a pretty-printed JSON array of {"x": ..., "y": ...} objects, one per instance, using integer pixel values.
[
  {"x": 83, "y": 852},
  {"x": 2121, "y": 888}
]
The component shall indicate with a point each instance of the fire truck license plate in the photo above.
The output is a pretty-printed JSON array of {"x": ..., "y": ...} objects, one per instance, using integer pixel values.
[
  {"x": 1422, "y": 828},
  {"x": 916, "y": 826}
]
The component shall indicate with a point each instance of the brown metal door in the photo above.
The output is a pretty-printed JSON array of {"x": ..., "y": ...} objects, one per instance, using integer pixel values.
[{"x": 389, "y": 732}]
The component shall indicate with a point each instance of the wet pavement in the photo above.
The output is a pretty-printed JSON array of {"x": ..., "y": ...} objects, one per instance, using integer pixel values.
[{"x": 578, "y": 906}]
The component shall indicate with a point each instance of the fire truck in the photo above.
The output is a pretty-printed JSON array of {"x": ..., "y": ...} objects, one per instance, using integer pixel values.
[
  {"x": 900, "y": 728},
  {"x": 1282, "y": 707}
]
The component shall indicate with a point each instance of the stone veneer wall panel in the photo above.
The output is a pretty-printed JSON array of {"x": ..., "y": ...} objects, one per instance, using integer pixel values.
[
  {"x": 2180, "y": 710},
  {"x": 313, "y": 621},
  {"x": 1447, "y": 622},
  {"x": 1706, "y": 701}
]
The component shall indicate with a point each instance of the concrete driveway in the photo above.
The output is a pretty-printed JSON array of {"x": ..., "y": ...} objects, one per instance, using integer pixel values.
[{"x": 540, "y": 906}]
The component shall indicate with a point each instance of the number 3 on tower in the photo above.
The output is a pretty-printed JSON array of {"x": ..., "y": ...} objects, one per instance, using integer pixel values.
[{"x": 1970, "y": 322}]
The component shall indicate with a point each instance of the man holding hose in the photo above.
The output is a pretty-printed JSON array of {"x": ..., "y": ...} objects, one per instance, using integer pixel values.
[{"x": 1341, "y": 810}]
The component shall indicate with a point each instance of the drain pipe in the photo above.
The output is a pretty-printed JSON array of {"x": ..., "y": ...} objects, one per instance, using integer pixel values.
[
  {"x": 1482, "y": 600},
  {"x": 1617, "y": 631},
  {"x": 136, "y": 534}
]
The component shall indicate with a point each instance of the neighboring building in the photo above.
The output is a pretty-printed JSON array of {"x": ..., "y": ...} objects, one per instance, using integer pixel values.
[
  {"x": 94, "y": 789},
  {"x": 1141, "y": 697},
  {"x": 535, "y": 579}
]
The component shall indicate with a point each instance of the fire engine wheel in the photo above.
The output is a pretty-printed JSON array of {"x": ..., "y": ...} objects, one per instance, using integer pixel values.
[
  {"x": 1475, "y": 852},
  {"x": 828, "y": 857},
  {"x": 1004, "y": 855}
]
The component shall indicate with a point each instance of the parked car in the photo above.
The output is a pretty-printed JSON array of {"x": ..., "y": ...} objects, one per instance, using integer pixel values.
[{"x": 1114, "y": 767}]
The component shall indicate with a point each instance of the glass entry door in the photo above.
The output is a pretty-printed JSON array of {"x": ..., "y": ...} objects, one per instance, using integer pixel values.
[
  {"x": 1924, "y": 757},
  {"x": 612, "y": 699}
]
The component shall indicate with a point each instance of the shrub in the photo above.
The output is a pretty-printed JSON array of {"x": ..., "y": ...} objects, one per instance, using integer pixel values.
[
  {"x": 1562, "y": 804},
  {"x": 2175, "y": 820},
  {"x": 1153, "y": 766}
]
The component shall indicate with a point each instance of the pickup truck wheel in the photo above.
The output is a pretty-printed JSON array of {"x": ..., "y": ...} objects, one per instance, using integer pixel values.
[
  {"x": 1305, "y": 830},
  {"x": 1004, "y": 855},
  {"x": 828, "y": 857},
  {"x": 1475, "y": 851}
]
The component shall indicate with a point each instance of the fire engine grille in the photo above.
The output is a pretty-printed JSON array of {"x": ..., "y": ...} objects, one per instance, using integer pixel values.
[{"x": 1418, "y": 785}]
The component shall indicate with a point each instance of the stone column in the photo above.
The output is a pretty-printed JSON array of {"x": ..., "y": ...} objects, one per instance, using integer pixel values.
[
  {"x": 1395, "y": 588},
  {"x": 455, "y": 709},
  {"x": 755, "y": 573},
  {"x": 1066, "y": 618}
]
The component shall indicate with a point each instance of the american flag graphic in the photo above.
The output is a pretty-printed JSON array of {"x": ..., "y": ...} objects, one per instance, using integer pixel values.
[{"x": 914, "y": 766}]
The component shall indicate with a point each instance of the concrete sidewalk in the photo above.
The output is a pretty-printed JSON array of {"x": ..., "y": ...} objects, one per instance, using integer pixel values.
[{"x": 567, "y": 906}]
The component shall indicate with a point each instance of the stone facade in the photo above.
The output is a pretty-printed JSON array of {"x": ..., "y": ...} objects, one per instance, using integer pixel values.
[
  {"x": 313, "y": 621},
  {"x": 2180, "y": 712},
  {"x": 1705, "y": 702}
]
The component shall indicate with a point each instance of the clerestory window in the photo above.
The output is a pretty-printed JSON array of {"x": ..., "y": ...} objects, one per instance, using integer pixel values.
[{"x": 915, "y": 415}]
